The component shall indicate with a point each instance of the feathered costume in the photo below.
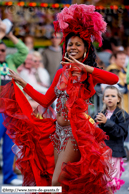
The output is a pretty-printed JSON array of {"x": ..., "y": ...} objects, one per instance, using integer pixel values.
[{"x": 31, "y": 135}]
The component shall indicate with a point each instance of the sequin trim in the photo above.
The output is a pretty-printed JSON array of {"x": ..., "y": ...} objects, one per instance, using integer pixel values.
[
  {"x": 61, "y": 137},
  {"x": 61, "y": 102}
]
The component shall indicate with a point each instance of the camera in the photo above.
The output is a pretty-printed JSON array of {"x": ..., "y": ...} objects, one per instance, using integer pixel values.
[{"x": 8, "y": 24}]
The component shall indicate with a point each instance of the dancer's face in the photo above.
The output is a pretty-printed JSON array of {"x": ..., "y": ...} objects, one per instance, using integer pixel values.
[{"x": 76, "y": 48}]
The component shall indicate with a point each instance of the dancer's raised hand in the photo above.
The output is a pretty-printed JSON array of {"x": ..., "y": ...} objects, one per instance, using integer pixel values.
[
  {"x": 81, "y": 66},
  {"x": 17, "y": 78}
]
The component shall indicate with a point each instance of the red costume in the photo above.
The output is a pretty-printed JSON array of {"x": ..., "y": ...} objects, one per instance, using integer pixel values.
[{"x": 31, "y": 135}]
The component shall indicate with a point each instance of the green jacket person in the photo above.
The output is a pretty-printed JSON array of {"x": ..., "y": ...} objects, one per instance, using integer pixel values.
[{"x": 9, "y": 62}]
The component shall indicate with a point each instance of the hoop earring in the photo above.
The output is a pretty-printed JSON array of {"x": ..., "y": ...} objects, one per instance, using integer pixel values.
[
  {"x": 84, "y": 55},
  {"x": 66, "y": 54}
]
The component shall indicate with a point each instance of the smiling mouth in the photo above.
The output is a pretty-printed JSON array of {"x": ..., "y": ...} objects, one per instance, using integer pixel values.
[{"x": 73, "y": 54}]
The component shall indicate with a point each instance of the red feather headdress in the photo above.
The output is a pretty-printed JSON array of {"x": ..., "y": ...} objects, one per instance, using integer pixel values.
[{"x": 83, "y": 20}]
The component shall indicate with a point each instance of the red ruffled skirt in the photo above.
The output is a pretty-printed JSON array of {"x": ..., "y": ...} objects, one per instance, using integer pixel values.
[{"x": 35, "y": 151}]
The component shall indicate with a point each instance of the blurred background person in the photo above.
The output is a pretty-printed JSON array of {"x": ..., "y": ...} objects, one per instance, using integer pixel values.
[
  {"x": 7, "y": 62},
  {"x": 105, "y": 54},
  {"x": 28, "y": 74},
  {"x": 116, "y": 44},
  {"x": 29, "y": 42},
  {"x": 100, "y": 64},
  {"x": 112, "y": 59},
  {"x": 53, "y": 54},
  {"x": 98, "y": 88},
  {"x": 113, "y": 69},
  {"x": 119, "y": 67},
  {"x": 119, "y": 62},
  {"x": 127, "y": 54},
  {"x": 41, "y": 74}
]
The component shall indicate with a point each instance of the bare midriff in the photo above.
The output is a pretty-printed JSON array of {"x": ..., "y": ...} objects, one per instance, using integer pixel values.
[
  {"x": 63, "y": 130},
  {"x": 61, "y": 121}
]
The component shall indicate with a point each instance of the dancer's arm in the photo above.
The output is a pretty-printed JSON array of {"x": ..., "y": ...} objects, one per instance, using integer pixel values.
[
  {"x": 44, "y": 100},
  {"x": 99, "y": 75},
  {"x": 102, "y": 76}
]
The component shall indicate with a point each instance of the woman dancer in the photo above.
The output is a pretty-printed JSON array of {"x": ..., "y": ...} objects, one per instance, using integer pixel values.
[{"x": 69, "y": 150}]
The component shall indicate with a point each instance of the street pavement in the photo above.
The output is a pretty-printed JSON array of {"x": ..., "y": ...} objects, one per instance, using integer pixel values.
[{"x": 123, "y": 190}]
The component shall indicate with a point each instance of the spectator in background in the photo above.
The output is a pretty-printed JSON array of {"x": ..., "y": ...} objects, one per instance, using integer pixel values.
[
  {"x": 106, "y": 53},
  {"x": 98, "y": 88},
  {"x": 9, "y": 62},
  {"x": 112, "y": 70},
  {"x": 112, "y": 59},
  {"x": 120, "y": 57},
  {"x": 28, "y": 74},
  {"x": 29, "y": 42},
  {"x": 41, "y": 74},
  {"x": 53, "y": 54},
  {"x": 116, "y": 44},
  {"x": 114, "y": 121},
  {"x": 127, "y": 63},
  {"x": 118, "y": 64},
  {"x": 127, "y": 55},
  {"x": 100, "y": 64}
]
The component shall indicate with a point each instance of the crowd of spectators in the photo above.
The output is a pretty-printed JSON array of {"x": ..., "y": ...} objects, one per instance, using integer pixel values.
[{"x": 114, "y": 58}]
